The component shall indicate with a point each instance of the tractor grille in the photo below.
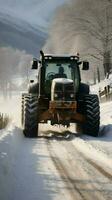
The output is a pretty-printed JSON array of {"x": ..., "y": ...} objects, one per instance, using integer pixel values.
[{"x": 64, "y": 92}]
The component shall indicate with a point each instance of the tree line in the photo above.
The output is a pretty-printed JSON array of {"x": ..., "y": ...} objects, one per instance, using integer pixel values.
[{"x": 84, "y": 26}]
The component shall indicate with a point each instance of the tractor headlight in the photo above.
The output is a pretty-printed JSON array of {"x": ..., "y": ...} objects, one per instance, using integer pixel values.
[
  {"x": 72, "y": 95},
  {"x": 55, "y": 95}
]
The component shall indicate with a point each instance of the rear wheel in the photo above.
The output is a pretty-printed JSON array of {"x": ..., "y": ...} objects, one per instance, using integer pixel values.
[
  {"x": 30, "y": 115},
  {"x": 92, "y": 114}
]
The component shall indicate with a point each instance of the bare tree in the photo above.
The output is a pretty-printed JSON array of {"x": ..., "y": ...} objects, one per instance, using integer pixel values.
[{"x": 89, "y": 22}]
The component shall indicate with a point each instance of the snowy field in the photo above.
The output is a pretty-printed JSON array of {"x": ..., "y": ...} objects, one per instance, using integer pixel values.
[{"x": 71, "y": 166}]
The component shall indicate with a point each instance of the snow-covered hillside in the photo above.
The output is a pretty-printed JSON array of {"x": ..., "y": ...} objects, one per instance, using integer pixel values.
[
  {"x": 61, "y": 164},
  {"x": 20, "y": 35},
  {"x": 35, "y": 12}
]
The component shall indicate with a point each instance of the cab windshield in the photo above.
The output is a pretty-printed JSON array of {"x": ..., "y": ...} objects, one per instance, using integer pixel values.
[{"x": 61, "y": 70}]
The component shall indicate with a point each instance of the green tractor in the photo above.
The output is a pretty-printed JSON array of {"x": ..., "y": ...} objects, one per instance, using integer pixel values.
[{"x": 59, "y": 96}]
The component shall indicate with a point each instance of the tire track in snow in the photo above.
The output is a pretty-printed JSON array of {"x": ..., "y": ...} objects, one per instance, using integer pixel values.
[
  {"x": 97, "y": 166},
  {"x": 93, "y": 163},
  {"x": 70, "y": 183},
  {"x": 103, "y": 171},
  {"x": 100, "y": 169},
  {"x": 89, "y": 184}
]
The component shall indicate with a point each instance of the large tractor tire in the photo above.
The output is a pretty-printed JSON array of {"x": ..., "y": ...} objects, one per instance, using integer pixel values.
[
  {"x": 30, "y": 115},
  {"x": 92, "y": 114}
]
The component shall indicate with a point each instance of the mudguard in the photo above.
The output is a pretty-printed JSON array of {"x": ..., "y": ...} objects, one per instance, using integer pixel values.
[{"x": 33, "y": 88}]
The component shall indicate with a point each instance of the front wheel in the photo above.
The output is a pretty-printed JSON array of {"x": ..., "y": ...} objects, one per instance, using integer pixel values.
[
  {"x": 30, "y": 116},
  {"x": 92, "y": 115}
]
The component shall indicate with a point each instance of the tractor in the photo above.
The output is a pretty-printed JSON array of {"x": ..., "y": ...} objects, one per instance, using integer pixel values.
[{"x": 59, "y": 96}]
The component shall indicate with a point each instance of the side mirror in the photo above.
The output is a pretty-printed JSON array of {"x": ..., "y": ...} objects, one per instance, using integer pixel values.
[
  {"x": 35, "y": 63},
  {"x": 85, "y": 65}
]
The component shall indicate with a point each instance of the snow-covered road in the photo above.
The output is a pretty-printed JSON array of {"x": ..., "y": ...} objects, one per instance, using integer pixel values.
[{"x": 55, "y": 166}]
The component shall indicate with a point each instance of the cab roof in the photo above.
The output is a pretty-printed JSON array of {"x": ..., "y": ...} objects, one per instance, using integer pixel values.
[{"x": 60, "y": 57}]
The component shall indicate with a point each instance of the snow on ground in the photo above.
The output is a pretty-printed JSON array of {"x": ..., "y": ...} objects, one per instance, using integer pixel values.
[
  {"x": 26, "y": 168},
  {"x": 99, "y": 149}
]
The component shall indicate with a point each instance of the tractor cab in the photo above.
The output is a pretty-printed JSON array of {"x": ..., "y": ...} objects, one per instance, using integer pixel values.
[
  {"x": 60, "y": 71},
  {"x": 61, "y": 67}
]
